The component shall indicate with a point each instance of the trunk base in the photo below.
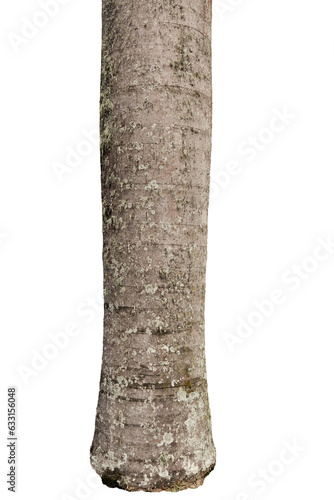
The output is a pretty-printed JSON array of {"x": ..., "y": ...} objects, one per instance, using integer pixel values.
[{"x": 113, "y": 479}]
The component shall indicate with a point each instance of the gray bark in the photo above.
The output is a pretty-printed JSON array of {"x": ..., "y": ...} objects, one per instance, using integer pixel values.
[{"x": 153, "y": 423}]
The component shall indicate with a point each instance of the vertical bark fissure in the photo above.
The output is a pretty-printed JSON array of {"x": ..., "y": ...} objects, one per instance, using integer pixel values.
[{"x": 153, "y": 423}]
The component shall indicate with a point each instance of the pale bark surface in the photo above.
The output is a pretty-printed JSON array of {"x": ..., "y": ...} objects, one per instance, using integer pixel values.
[{"x": 153, "y": 424}]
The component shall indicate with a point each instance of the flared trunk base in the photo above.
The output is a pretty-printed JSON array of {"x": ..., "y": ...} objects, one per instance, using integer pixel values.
[{"x": 113, "y": 479}]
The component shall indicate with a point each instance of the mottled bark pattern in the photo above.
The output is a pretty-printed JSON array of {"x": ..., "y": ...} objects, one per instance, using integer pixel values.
[{"x": 153, "y": 424}]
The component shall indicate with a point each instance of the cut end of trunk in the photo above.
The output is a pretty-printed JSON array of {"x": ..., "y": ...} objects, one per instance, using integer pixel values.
[{"x": 115, "y": 479}]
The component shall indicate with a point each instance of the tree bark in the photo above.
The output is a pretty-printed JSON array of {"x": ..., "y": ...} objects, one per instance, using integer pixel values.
[{"x": 153, "y": 423}]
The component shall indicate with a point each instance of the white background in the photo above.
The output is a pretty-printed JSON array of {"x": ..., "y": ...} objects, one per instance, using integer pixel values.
[{"x": 277, "y": 384}]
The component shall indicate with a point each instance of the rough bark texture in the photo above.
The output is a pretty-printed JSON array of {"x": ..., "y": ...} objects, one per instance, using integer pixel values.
[{"x": 153, "y": 424}]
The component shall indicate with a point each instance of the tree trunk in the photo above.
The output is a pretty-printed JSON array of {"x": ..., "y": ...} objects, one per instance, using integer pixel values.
[{"x": 153, "y": 424}]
